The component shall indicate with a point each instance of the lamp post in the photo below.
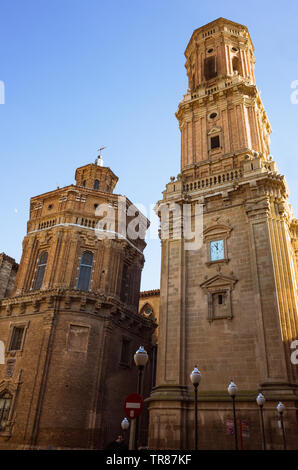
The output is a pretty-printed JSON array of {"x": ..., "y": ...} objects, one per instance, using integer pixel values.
[
  {"x": 260, "y": 401},
  {"x": 141, "y": 359},
  {"x": 125, "y": 425},
  {"x": 232, "y": 389},
  {"x": 281, "y": 408},
  {"x": 195, "y": 378}
]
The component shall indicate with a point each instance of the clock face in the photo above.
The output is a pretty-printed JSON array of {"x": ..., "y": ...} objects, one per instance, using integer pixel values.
[{"x": 217, "y": 250}]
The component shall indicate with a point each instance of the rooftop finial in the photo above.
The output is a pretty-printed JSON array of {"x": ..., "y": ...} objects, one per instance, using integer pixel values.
[{"x": 99, "y": 160}]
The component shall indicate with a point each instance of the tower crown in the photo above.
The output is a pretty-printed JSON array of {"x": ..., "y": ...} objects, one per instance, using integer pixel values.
[
  {"x": 219, "y": 49},
  {"x": 96, "y": 176}
]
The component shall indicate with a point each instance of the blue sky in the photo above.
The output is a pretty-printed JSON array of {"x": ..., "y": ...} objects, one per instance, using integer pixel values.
[{"x": 79, "y": 74}]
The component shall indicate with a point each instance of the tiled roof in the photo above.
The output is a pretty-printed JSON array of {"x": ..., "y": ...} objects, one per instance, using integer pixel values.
[{"x": 148, "y": 293}]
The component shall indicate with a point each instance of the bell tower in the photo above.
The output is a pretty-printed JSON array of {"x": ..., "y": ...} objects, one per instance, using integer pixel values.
[
  {"x": 222, "y": 115},
  {"x": 229, "y": 304}
]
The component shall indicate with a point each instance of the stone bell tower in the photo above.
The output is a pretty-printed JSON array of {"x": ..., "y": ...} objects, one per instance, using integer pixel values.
[
  {"x": 222, "y": 114},
  {"x": 230, "y": 306}
]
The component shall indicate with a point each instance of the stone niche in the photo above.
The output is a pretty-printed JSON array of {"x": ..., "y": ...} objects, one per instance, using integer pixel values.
[{"x": 219, "y": 291}]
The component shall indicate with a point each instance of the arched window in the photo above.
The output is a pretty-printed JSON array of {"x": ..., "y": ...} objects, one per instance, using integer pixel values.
[
  {"x": 210, "y": 67},
  {"x": 41, "y": 267},
  {"x": 96, "y": 184},
  {"x": 237, "y": 65},
  {"x": 85, "y": 271},
  {"x": 5, "y": 404}
]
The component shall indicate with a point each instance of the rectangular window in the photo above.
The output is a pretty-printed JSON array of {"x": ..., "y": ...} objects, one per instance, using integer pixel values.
[
  {"x": 41, "y": 268},
  {"x": 215, "y": 142},
  {"x": 16, "y": 338},
  {"x": 210, "y": 68},
  {"x": 125, "y": 351},
  {"x": 85, "y": 271}
]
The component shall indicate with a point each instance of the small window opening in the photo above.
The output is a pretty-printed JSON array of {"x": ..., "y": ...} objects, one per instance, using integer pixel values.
[
  {"x": 213, "y": 115},
  {"x": 215, "y": 142},
  {"x": 237, "y": 65},
  {"x": 210, "y": 68}
]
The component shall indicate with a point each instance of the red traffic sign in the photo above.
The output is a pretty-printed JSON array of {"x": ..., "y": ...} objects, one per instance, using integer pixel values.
[{"x": 133, "y": 405}]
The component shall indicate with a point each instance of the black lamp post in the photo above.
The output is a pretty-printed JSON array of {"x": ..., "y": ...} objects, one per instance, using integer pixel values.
[
  {"x": 141, "y": 359},
  {"x": 232, "y": 389},
  {"x": 260, "y": 401},
  {"x": 195, "y": 378},
  {"x": 281, "y": 408}
]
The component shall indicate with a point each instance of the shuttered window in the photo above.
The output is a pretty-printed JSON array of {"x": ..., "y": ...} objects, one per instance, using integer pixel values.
[
  {"x": 41, "y": 267},
  {"x": 16, "y": 338},
  {"x": 85, "y": 271}
]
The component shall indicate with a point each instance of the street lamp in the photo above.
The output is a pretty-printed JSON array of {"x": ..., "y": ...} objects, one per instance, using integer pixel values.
[
  {"x": 141, "y": 359},
  {"x": 260, "y": 401},
  {"x": 195, "y": 378},
  {"x": 125, "y": 425},
  {"x": 281, "y": 408},
  {"x": 232, "y": 389}
]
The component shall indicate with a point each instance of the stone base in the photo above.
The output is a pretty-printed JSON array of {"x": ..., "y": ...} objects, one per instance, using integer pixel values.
[{"x": 171, "y": 426}]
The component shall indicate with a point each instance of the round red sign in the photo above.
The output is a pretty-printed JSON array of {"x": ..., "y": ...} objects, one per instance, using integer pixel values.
[{"x": 133, "y": 405}]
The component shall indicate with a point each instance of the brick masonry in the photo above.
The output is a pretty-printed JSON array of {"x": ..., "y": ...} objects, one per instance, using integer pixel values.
[{"x": 69, "y": 376}]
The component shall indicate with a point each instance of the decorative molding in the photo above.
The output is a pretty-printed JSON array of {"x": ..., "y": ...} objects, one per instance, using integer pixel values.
[
  {"x": 215, "y": 130},
  {"x": 220, "y": 230}
]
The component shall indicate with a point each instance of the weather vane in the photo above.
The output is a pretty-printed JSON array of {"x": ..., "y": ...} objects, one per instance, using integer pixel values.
[{"x": 100, "y": 150}]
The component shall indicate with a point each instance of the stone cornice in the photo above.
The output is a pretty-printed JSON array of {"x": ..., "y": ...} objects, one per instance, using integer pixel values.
[
  {"x": 12, "y": 261},
  {"x": 37, "y": 298},
  {"x": 242, "y": 90},
  {"x": 220, "y": 22}
]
